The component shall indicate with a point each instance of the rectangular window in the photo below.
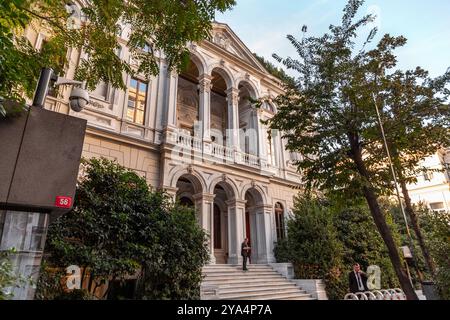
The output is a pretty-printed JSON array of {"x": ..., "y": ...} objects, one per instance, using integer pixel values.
[
  {"x": 137, "y": 100},
  {"x": 437, "y": 206}
]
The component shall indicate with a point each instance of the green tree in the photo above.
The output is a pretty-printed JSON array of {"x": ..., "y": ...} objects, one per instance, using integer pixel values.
[
  {"x": 436, "y": 227},
  {"x": 327, "y": 235},
  {"x": 166, "y": 25},
  {"x": 275, "y": 71},
  {"x": 120, "y": 228},
  {"x": 416, "y": 117},
  {"x": 330, "y": 117},
  {"x": 313, "y": 246},
  {"x": 360, "y": 240}
]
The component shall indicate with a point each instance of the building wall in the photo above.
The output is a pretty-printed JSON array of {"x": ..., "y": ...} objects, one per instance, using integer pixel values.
[
  {"x": 144, "y": 161},
  {"x": 152, "y": 149},
  {"x": 433, "y": 188}
]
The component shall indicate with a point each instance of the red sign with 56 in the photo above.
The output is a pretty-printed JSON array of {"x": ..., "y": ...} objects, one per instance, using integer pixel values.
[{"x": 63, "y": 202}]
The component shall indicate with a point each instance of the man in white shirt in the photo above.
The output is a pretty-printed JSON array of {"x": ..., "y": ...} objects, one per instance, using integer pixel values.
[{"x": 357, "y": 280}]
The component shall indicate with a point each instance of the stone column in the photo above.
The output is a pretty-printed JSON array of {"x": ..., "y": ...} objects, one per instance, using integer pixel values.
[
  {"x": 236, "y": 230},
  {"x": 233, "y": 118},
  {"x": 262, "y": 139},
  {"x": 254, "y": 234},
  {"x": 205, "y": 106},
  {"x": 204, "y": 203},
  {"x": 170, "y": 120},
  {"x": 169, "y": 110},
  {"x": 172, "y": 192},
  {"x": 205, "y": 111},
  {"x": 264, "y": 231}
]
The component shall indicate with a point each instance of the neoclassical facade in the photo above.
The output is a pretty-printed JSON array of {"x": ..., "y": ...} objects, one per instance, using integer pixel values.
[{"x": 197, "y": 135}]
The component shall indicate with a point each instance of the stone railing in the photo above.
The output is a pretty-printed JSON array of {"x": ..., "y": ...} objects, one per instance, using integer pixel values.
[
  {"x": 222, "y": 152},
  {"x": 247, "y": 159},
  {"x": 388, "y": 294},
  {"x": 186, "y": 141}
]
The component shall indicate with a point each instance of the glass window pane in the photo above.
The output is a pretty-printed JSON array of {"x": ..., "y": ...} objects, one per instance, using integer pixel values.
[
  {"x": 137, "y": 97},
  {"x": 130, "y": 114},
  {"x": 142, "y": 88},
  {"x": 133, "y": 84},
  {"x": 139, "y": 116}
]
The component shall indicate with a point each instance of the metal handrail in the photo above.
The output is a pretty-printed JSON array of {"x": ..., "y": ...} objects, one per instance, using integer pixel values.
[{"x": 384, "y": 294}]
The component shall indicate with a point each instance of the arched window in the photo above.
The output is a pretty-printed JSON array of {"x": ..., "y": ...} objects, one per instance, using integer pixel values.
[{"x": 279, "y": 220}]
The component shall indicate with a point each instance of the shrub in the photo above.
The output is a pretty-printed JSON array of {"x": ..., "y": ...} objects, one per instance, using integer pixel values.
[
  {"x": 436, "y": 228},
  {"x": 119, "y": 228}
]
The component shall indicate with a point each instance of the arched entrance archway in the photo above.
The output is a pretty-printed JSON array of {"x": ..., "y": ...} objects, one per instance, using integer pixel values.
[
  {"x": 253, "y": 231},
  {"x": 188, "y": 186},
  {"x": 223, "y": 193}
]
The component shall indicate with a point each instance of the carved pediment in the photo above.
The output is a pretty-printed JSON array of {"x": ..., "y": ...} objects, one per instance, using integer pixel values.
[{"x": 225, "y": 38}]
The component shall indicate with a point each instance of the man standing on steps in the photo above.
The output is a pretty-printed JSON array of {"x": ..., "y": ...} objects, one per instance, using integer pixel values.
[
  {"x": 357, "y": 280},
  {"x": 245, "y": 252}
]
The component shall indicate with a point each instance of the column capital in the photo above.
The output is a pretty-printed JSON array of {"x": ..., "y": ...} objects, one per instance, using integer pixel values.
[
  {"x": 207, "y": 197},
  {"x": 204, "y": 76},
  {"x": 236, "y": 203},
  {"x": 232, "y": 92},
  {"x": 170, "y": 190},
  {"x": 205, "y": 85},
  {"x": 264, "y": 208}
]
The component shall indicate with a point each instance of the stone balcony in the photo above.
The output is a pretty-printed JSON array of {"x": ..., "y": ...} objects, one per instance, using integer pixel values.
[{"x": 189, "y": 146}]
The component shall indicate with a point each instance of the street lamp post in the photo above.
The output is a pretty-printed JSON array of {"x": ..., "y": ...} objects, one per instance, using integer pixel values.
[{"x": 394, "y": 176}]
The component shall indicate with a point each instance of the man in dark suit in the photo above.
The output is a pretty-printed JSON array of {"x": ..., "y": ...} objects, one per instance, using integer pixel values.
[
  {"x": 357, "y": 280},
  {"x": 245, "y": 253}
]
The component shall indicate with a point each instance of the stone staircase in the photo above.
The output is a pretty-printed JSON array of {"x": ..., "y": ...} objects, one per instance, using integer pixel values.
[{"x": 261, "y": 282}]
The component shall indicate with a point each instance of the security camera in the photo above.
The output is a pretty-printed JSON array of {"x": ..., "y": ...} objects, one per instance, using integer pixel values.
[{"x": 79, "y": 98}]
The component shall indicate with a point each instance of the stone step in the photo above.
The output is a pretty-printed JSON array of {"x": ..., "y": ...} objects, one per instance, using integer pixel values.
[
  {"x": 242, "y": 277},
  {"x": 237, "y": 269},
  {"x": 296, "y": 298},
  {"x": 246, "y": 285},
  {"x": 267, "y": 289},
  {"x": 264, "y": 295},
  {"x": 230, "y": 268},
  {"x": 261, "y": 282},
  {"x": 267, "y": 281},
  {"x": 235, "y": 265},
  {"x": 242, "y": 274}
]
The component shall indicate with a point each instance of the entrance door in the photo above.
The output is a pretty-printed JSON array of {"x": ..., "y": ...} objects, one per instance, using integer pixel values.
[
  {"x": 248, "y": 232},
  {"x": 219, "y": 248}
]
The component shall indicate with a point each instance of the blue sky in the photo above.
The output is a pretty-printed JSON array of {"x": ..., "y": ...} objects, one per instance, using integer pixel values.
[{"x": 264, "y": 24}]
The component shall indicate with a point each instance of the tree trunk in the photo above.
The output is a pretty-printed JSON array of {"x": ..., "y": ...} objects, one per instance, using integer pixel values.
[
  {"x": 415, "y": 224},
  {"x": 381, "y": 224}
]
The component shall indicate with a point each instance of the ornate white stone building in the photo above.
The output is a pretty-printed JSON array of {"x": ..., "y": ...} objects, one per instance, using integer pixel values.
[{"x": 196, "y": 135}]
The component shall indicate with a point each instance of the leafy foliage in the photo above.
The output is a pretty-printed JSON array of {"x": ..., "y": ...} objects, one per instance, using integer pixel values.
[
  {"x": 436, "y": 231},
  {"x": 275, "y": 71},
  {"x": 8, "y": 278},
  {"x": 162, "y": 25},
  {"x": 120, "y": 228},
  {"x": 20, "y": 62},
  {"x": 312, "y": 245},
  {"x": 360, "y": 240},
  {"x": 437, "y": 234},
  {"x": 330, "y": 117},
  {"x": 327, "y": 237}
]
